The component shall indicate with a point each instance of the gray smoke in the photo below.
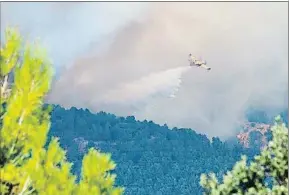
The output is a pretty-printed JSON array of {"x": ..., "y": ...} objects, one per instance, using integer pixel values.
[
  {"x": 68, "y": 29},
  {"x": 244, "y": 43}
]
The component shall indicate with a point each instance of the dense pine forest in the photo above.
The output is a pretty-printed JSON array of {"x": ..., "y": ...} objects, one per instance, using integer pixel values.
[{"x": 150, "y": 158}]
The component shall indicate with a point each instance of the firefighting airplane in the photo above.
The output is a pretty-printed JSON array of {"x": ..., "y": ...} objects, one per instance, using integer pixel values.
[{"x": 199, "y": 63}]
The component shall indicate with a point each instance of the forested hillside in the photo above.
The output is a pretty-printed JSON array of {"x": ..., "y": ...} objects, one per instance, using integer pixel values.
[{"x": 151, "y": 159}]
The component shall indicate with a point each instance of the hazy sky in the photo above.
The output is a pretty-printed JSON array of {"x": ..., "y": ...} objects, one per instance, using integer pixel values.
[{"x": 131, "y": 58}]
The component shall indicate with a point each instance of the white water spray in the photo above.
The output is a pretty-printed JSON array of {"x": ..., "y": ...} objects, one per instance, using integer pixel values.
[{"x": 157, "y": 84}]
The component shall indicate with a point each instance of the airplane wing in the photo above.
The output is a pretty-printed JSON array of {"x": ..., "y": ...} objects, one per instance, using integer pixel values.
[{"x": 205, "y": 67}]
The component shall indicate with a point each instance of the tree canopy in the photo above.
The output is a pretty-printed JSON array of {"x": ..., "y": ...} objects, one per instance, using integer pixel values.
[{"x": 151, "y": 158}]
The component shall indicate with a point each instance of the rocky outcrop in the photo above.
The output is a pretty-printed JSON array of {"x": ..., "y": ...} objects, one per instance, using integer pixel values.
[{"x": 244, "y": 136}]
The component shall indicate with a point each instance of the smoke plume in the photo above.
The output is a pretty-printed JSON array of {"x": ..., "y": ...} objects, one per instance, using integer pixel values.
[{"x": 126, "y": 62}]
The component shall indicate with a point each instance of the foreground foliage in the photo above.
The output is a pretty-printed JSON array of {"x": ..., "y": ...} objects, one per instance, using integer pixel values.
[
  {"x": 267, "y": 174},
  {"x": 27, "y": 167}
]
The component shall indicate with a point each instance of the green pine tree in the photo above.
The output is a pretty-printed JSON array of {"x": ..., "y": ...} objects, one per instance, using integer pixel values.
[
  {"x": 26, "y": 167},
  {"x": 266, "y": 175}
]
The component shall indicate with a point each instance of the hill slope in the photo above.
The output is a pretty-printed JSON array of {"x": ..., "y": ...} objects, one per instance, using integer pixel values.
[{"x": 151, "y": 159}]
